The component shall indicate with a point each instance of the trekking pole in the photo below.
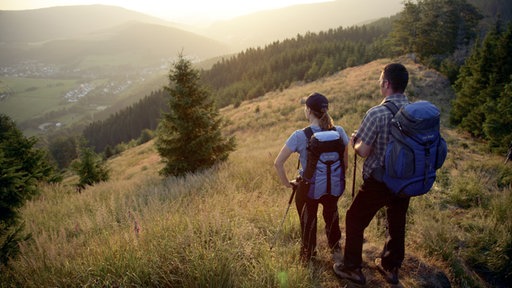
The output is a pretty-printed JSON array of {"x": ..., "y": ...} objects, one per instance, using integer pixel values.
[
  {"x": 354, "y": 176},
  {"x": 509, "y": 155},
  {"x": 285, "y": 214},
  {"x": 354, "y": 140}
]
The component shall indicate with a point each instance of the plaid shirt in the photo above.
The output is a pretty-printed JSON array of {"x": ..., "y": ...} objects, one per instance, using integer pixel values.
[{"x": 374, "y": 131}]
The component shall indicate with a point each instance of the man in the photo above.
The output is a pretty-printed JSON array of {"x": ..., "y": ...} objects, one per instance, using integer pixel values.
[{"x": 370, "y": 141}]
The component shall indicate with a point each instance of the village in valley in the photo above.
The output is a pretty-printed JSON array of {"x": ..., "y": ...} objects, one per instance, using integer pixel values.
[{"x": 103, "y": 84}]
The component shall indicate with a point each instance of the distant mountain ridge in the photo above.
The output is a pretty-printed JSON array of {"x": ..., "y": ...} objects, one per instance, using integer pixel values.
[
  {"x": 255, "y": 29},
  {"x": 65, "y": 21},
  {"x": 72, "y": 34},
  {"x": 247, "y": 31},
  {"x": 261, "y": 28}
]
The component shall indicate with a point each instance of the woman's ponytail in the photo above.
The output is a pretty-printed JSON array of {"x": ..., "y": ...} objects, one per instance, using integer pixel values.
[{"x": 324, "y": 119}]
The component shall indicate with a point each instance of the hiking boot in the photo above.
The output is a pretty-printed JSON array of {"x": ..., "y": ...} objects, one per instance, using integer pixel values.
[
  {"x": 353, "y": 274},
  {"x": 390, "y": 275}
]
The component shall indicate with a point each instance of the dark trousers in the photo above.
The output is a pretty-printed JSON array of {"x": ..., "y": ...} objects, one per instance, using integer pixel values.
[
  {"x": 372, "y": 196},
  {"x": 308, "y": 209}
]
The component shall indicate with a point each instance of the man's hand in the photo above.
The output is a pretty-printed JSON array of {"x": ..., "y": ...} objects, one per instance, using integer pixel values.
[{"x": 353, "y": 139}]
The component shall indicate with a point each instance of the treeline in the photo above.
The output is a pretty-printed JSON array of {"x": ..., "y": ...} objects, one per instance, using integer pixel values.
[
  {"x": 254, "y": 72},
  {"x": 128, "y": 124},
  {"x": 437, "y": 32},
  {"x": 483, "y": 106}
]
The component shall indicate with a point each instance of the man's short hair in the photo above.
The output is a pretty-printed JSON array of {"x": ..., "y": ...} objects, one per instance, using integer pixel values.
[{"x": 397, "y": 75}]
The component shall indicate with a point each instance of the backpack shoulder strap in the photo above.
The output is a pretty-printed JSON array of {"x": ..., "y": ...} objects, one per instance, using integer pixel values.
[
  {"x": 308, "y": 131},
  {"x": 391, "y": 107}
]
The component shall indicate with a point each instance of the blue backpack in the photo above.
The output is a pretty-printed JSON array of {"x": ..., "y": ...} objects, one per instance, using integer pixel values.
[
  {"x": 324, "y": 172},
  {"x": 415, "y": 149}
]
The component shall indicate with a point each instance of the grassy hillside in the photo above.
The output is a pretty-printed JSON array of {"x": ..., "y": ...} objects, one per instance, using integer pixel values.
[{"x": 214, "y": 229}]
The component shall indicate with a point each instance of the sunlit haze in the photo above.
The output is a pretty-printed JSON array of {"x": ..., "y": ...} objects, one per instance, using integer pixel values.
[{"x": 184, "y": 11}]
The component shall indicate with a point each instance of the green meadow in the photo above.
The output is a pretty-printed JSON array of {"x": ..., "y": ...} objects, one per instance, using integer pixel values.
[
  {"x": 33, "y": 97},
  {"x": 32, "y": 102}
]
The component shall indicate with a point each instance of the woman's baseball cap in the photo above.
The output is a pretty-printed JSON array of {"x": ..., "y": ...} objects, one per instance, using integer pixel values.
[{"x": 317, "y": 102}]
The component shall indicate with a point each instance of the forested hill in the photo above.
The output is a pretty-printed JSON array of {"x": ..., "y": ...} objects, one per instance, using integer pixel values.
[{"x": 252, "y": 73}]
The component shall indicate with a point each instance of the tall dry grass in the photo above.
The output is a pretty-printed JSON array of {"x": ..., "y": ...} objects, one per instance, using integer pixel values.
[{"x": 215, "y": 228}]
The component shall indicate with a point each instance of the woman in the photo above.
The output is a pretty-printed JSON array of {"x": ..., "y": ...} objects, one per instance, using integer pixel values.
[{"x": 315, "y": 110}]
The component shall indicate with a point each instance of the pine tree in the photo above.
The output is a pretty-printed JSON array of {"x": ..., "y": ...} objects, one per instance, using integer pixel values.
[
  {"x": 498, "y": 125},
  {"x": 90, "y": 168},
  {"x": 63, "y": 150},
  {"x": 482, "y": 106},
  {"x": 434, "y": 28},
  {"x": 22, "y": 167},
  {"x": 405, "y": 29},
  {"x": 467, "y": 109},
  {"x": 189, "y": 137}
]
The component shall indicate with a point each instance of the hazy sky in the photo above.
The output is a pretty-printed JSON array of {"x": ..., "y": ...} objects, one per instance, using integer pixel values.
[{"x": 183, "y": 11}]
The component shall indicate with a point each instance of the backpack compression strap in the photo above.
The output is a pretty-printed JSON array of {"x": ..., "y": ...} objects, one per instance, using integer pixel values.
[{"x": 309, "y": 132}]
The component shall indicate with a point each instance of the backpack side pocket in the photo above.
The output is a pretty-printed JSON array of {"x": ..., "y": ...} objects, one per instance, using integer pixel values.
[
  {"x": 442, "y": 152},
  {"x": 399, "y": 160}
]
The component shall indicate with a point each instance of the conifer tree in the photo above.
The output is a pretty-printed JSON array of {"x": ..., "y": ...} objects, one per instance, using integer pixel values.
[
  {"x": 405, "y": 29},
  {"x": 22, "y": 167},
  {"x": 189, "y": 136},
  {"x": 498, "y": 125},
  {"x": 482, "y": 106},
  {"x": 434, "y": 28},
  {"x": 63, "y": 150},
  {"x": 90, "y": 168}
]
